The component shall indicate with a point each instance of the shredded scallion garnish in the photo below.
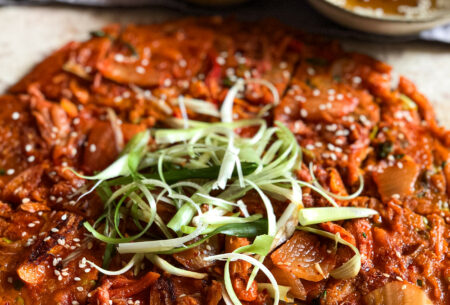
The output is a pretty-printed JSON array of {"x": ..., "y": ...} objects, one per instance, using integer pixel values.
[{"x": 202, "y": 171}]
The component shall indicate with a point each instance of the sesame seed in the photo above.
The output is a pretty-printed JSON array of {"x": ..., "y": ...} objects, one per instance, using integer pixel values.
[
  {"x": 140, "y": 70},
  {"x": 87, "y": 270},
  {"x": 182, "y": 63},
  {"x": 79, "y": 288},
  {"x": 28, "y": 147},
  {"x": 126, "y": 94},
  {"x": 398, "y": 278},
  {"x": 75, "y": 303},
  {"x": 10, "y": 279},
  {"x": 25, "y": 200},
  {"x": 167, "y": 82},
  {"x": 15, "y": 116},
  {"x": 119, "y": 57},
  {"x": 61, "y": 241},
  {"x": 339, "y": 141},
  {"x": 47, "y": 238},
  {"x": 76, "y": 240},
  {"x": 76, "y": 279},
  {"x": 311, "y": 71},
  {"x": 10, "y": 171},
  {"x": 287, "y": 110},
  {"x": 76, "y": 121},
  {"x": 303, "y": 113},
  {"x": 92, "y": 148},
  {"x": 31, "y": 225},
  {"x": 31, "y": 159},
  {"x": 64, "y": 217},
  {"x": 283, "y": 65},
  {"x": 332, "y": 127},
  {"x": 356, "y": 80},
  {"x": 145, "y": 62},
  {"x": 220, "y": 61},
  {"x": 300, "y": 98}
]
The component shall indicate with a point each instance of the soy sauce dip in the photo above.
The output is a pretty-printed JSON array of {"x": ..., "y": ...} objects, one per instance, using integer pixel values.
[{"x": 407, "y": 8}]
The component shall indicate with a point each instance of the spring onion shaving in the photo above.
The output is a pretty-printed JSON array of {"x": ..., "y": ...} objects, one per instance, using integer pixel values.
[
  {"x": 169, "y": 268},
  {"x": 228, "y": 285},
  {"x": 271, "y": 290},
  {"x": 312, "y": 216},
  {"x": 350, "y": 268},
  {"x": 202, "y": 172},
  {"x": 339, "y": 197}
]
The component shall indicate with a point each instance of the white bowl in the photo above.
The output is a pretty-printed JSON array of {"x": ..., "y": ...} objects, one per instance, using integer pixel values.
[{"x": 385, "y": 25}]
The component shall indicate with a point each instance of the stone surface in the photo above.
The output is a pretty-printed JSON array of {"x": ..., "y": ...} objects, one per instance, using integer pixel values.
[{"x": 28, "y": 34}]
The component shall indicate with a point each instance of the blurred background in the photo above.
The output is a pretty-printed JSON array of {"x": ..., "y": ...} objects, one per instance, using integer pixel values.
[{"x": 414, "y": 39}]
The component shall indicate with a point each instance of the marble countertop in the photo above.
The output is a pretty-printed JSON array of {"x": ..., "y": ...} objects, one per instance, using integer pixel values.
[{"x": 30, "y": 33}]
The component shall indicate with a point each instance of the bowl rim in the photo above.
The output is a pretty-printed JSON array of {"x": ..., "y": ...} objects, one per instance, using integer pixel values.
[{"x": 437, "y": 14}]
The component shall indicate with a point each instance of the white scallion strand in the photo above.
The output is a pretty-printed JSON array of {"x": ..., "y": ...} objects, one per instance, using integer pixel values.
[
  {"x": 133, "y": 261},
  {"x": 227, "y": 279}
]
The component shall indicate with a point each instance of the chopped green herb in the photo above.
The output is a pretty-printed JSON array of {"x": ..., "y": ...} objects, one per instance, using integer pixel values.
[
  {"x": 227, "y": 82},
  {"x": 399, "y": 156},
  {"x": 408, "y": 104},
  {"x": 20, "y": 300},
  {"x": 421, "y": 194},
  {"x": 2, "y": 171},
  {"x": 101, "y": 34},
  {"x": 324, "y": 295},
  {"x": 364, "y": 235},
  {"x": 310, "y": 84},
  {"x": 131, "y": 48},
  {"x": 373, "y": 132},
  {"x": 419, "y": 283},
  {"x": 7, "y": 240},
  {"x": 308, "y": 153},
  {"x": 384, "y": 149},
  {"x": 317, "y": 61},
  {"x": 443, "y": 164},
  {"x": 18, "y": 284},
  {"x": 337, "y": 78}
]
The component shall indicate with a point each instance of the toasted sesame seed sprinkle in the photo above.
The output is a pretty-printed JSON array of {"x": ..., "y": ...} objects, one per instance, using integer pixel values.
[{"x": 15, "y": 116}]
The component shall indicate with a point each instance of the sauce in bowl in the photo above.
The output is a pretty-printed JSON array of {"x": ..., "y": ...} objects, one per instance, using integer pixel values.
[{"x": 408, "y": 8}]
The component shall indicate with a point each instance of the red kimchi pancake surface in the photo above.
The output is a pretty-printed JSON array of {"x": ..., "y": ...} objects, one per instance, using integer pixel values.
[{"x": 82, "y": 104}]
